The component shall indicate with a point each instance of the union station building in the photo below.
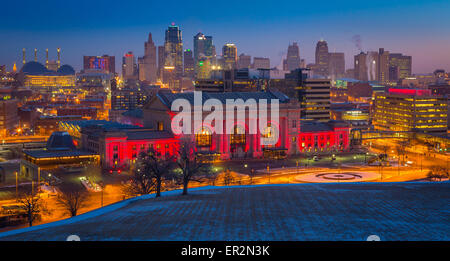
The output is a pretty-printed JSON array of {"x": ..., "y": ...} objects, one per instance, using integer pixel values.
[{"x": 118, "y": 145}]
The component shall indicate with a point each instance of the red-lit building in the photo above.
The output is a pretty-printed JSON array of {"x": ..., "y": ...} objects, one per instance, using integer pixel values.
[
  {"x": 319, "y": 137},
  {"x": 120, "y": 144},
  {"x": 241, "y": 144}
]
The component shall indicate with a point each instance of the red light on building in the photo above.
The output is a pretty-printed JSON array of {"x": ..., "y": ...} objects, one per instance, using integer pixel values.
[{"x": 417, "y": 92}]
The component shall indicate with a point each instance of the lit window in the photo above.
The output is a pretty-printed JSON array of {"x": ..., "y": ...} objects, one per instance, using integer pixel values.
[
  {"x": 203, "y": 138},
  {"x": 238, "y": 136}
]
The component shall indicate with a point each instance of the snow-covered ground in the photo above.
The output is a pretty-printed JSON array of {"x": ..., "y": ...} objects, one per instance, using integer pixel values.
[
  {"x": 344, "y": 211},
  {"x": 346, "y": 176}
]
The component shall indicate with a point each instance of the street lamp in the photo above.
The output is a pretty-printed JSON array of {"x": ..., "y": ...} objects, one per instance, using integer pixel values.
[{"x": 17, "y": 186}]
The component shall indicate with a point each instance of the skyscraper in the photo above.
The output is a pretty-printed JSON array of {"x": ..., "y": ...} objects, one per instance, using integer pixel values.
[
  {"x": 374, "y": 66},
  {"x": 399, "y": 66},
  {"x": 293, "y": 57},
  {"x": 149, "y": 60},
  {"x": 203, "y": 48},
  {"x": 261, "y": 63},
  {"x": 161, "y": 54},
  {"x": 383, "y": 66},
  {"x": 336, "y": 64},
  {"x": 229, "y": 54},
  {"x": 188, "y": 63},
  {"x": 322, "y": 58},
  {"x": 244, "y": 61},
  {"x": 313, "y": 95},
  {"x": 173, "y": 58},
  {"x": 128, "y": 66}
]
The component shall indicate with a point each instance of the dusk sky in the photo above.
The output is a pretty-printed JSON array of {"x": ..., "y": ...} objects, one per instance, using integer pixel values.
[{"x": 259, "y": 28}]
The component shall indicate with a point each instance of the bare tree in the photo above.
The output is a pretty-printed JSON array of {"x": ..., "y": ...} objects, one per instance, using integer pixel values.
[
  {"x": 438, "y": 172},
  {"x": 251, "y": 175},
  {"x": 191, "y": 167},
  {"x": 71, "y": 199},
  {"x": 156, "y": 166},
  {"x": 140, "y": 183},
  {"x": 32, "y": 205},
  {"x": 227, "y": 177}
]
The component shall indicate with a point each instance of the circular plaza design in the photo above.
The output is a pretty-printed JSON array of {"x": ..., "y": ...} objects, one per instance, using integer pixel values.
[{"x": 324, "y": 177}]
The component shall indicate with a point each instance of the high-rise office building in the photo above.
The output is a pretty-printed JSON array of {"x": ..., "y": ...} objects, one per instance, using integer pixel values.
[
  {"x": 261, "y": 63},
  {"x": 292, "y": 58},
  {"x": 382, "y": 66},
  {"x": 229, "y": 55},
  {"x": 313, "y": 95},
  {"x": 410, "y": 110},
  {"x": 149, "y": 70},
  {"x": 173, "y": 58},
  {"x": 399, "y": 66},
  {"x": 372, "y": 66},
  {"x": 244, "y": 61},
  {"x": 203, "y": 48},
  {"x": 129, "y": 66},
  {"x": 188, "y": 63},
  {"x": 105, "y": 63},
  {"x": 322, "y": 59},
  {"x": 336, "y": 67},
  {"x": 161, "y": 54}
]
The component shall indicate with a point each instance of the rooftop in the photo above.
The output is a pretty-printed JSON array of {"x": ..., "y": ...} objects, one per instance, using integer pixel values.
[
  {"x": 168, "y": 97},
  {"x": 314, "y": 126},
  {"x": 44, "y": 153}
]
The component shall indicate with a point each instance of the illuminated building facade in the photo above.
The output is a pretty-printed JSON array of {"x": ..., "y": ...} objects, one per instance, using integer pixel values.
[
  {"x": 46, "y": 125},
  {"x": 104, "y": 63},
  {"x": 34, "y": 74},
  {"x": 410, "y": 110},
  {"x": 203, "y": 49},
  {"x": 188, "y": 64},
  {"x": 242, "y": 144},
  {"x": 229, "y": 54},
  {"x": 324, "y": 137},
  {"x": 173, "y": 58},
  {"x": 59, "y": 151},
  {"x": 120, "y": 145}
]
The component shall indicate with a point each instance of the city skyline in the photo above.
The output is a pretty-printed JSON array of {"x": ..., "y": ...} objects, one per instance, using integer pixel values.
[{"x": 329, "y": 21}]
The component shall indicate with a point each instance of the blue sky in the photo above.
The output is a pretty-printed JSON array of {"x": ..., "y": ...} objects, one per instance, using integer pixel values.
[{"x": 259, "y": 28}]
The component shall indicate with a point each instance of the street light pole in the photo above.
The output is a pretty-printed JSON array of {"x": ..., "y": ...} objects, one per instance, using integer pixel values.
[{"x": 17, "y": 187}]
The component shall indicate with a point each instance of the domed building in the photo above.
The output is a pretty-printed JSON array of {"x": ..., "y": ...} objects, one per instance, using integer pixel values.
[{"x": 35, "y": 74}]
